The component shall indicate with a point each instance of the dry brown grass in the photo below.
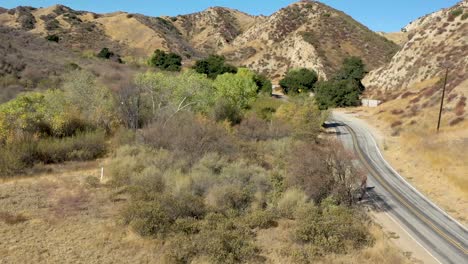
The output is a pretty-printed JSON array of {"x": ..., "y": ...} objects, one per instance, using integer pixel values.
[{"x": 66, "y": 222}]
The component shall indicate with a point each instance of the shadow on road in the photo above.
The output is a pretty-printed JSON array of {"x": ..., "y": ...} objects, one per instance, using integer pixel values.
[
  {"x": 331, "y": 128},
  {"x": 374, "y": 202}
]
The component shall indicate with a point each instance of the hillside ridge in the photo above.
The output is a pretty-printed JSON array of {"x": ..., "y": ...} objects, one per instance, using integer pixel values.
[{"x": 302, "y": 34}]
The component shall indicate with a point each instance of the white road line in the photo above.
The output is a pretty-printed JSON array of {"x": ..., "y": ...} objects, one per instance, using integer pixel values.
[
  {"x": 403, "y": 228},
  {"x": 413, "y": 188}
]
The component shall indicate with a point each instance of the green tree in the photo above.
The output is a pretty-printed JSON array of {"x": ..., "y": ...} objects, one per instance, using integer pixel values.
[
  {"x": 345, "y": 88},
  {"x": 264, "y": 85},
  {"x": 93, "y": 101},
  {"x": 166, "y": 61},
  {"x": 213, "y": 66},
  {"x": 238, "y": 89},
  {"x": 42, "y": 113},
  {"x": 186, "y": 91},
  {"x": 299, "y": 80},
  {"x": 337, "y": 93}
]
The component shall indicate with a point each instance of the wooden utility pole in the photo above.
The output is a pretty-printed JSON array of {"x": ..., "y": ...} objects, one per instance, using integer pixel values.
[{"x": 442, "y": 99}]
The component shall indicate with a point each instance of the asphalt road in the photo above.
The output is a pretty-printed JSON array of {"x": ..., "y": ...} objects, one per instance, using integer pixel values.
[{"x": 444, "y": 238}]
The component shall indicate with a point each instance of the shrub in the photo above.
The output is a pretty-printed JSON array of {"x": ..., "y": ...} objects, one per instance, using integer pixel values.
[
  {"x": 219, "y": 240},
  {"x": 265, "y": 107},
  {"x": 229, "y": 197},
  {"x": 12, "y": 219},
  {"x": 147, "y": 218},
  {"x": 81, "y": 147},
  {"x": 322, "y": 173},
  {"x": 224, "y": 110},
  {"x": 105, "y": 53},
  {"x": 331, "y": 229},
  {"x": 53, "y": 38},
  {"x": 166, "y": 61},
  {"x": 264, "y": 85},
  {"x": 262, "y": 219},
  {"x": 297, "y": 81},
  {"x": 187, "y": 136},
  {"x": 290, "y": 201},
  {"x": 24, "y": 152},
  {"x": 304, "y": 117},
  {"x": 256, "y": 129},
  {"x": 18, "y": 155},
  {"x": 139, "y": 166},
  {"x": 455, "y": 13}
]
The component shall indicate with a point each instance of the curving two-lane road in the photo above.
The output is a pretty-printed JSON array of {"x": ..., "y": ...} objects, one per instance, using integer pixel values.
[{"x": 441, "y": 236}]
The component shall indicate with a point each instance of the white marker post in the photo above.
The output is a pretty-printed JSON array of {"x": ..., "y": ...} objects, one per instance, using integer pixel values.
[{"x": 102, "y": 173}]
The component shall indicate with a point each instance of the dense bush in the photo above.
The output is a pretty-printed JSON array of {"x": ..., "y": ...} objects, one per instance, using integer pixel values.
[
  {"x": 323, "y": 172},
  {"x": 166, "y": 61},
  {"x": 24, "y": 152},
  {"x": 254, "y": 128},
  {"x": 238, "y": 89},
  {"x": 213, "y": 66},
  {"x": 188, "y": 136},
  {"x": 225, "y": 110},
  {"x": 304, "y": 117},
  {"x": 80, "y": 147},
  {"x": 298, "y": 81},
  {"x": 338, "y": 93},
  {"x": 39, "y": 113},
  {"x": 329, "y": 228},
  {"x": 264, "y": 85}
]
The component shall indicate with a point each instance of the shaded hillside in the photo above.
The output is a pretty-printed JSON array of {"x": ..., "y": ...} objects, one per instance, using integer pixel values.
[
  {"x": 304, "y": 34},
  {"x": 414, "y": 77}
]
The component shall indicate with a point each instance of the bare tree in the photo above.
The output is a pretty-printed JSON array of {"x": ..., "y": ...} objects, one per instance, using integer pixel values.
[
  {"x": 129, "y": 104},
  {"x": 322, "y": 172}
]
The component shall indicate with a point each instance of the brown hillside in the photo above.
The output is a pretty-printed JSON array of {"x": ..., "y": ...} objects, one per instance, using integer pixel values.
[
  {"x": 308, "y": 34},
  {"x": 411, "y": 86},
  {"x": 304, "y": 34},
  {"x": 415, "y": 74}
]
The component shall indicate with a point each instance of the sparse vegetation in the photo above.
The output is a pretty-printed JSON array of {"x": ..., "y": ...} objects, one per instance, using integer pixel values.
[{"x": 455, "y": 13}]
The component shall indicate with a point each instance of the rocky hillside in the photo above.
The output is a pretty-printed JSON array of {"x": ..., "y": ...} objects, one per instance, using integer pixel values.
[
  {"x": 414, "y": 77},
  {"x": 308, "y": 34},
  {"x": 304, "y": 34}
]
